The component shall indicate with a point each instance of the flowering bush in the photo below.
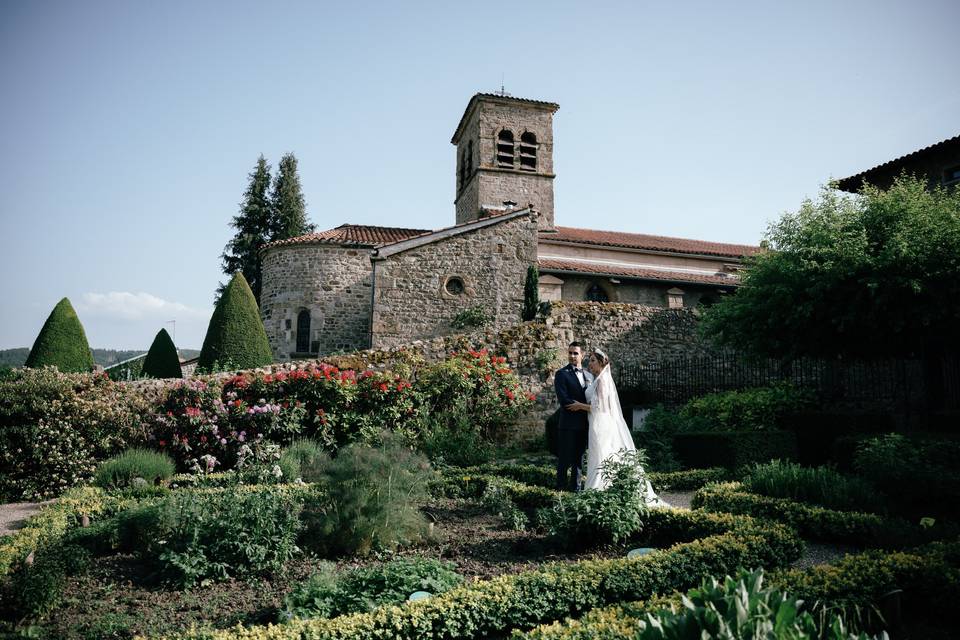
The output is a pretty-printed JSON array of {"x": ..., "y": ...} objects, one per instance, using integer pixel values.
[{"x": 54, "y": 426}]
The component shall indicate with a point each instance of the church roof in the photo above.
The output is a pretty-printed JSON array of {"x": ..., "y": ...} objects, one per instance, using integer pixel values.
[
  {"x": 354, "y": 234},
  {"x": 596, "y": 237},
  {"x": 639, "y": 273}
]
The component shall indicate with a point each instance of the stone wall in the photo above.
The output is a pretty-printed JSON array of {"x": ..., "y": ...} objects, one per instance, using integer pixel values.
[
  {"x": 411, "y": 299},
  {"x": 331, "y": 282},
  {"x": 651, "y": 294}
]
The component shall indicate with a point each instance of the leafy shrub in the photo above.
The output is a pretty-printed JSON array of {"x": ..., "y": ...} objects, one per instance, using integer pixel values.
[
  {"x": 37, "y": 589},
  {"x": 236, "y": 332},
  {"x": 61, "y": 343},
  {"x": 162, "y": 360},
  {"x": 732, "y": 449},
  {"x": 474, "y": 386},
  {"x": 760, "y": 409},
  {"x": 470, "y": 318},
  {"x": 455, "y": 440},
  {"x": 55, "y": 426},
  {"x": 372, "y": 500},
  {"x": 120, "y": 471},
  {"x": 327, "y": 593},
  {"x": 821, "y": 486},
  {"x": 656, "y": 439},
  {"x": 303, "y": 459},
  {"x": 919, "y": 475},
  {"x": 497, "y": 499},
  {"x": 216, "y": 535},
  {"x": 592, "y": 517}
]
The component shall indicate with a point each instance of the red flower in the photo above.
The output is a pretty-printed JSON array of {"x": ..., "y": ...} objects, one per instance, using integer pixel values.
[
  {"x": 486, "y": 377},
  {"x": 531, "y": 397},
  {"x": 508, "y": 393},
  {"x": 163, "y": 443},
  {"x": 383, "y": 386},
  {"x": 280, "y": 377},
  {"x": 203, "y": 438}
]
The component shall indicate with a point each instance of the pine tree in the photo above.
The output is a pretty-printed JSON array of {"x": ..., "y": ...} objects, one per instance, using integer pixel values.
[
  {"x": 162, "y": 360},
  {"x": 62, "y": 342},
  {"x": 253, "y": 225},
  {"x": 288, "y": 209},
  {"x": 235, "y": 337},
  {"x": 531, "y": 293}
]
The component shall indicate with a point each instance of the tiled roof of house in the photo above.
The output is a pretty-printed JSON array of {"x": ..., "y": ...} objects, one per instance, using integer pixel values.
[
  {"x": 650, "y": 243},
  {"x": 855, "y": 182},
  {"x": 353, "y": 234},
  {"x": 577, "y": 266}
]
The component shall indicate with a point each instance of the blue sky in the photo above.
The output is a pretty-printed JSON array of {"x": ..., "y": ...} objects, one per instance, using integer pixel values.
[{"x": 128, "y": 128}]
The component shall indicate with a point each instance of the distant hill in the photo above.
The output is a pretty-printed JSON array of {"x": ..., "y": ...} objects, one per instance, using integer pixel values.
[{"x": 104, "y": 357}]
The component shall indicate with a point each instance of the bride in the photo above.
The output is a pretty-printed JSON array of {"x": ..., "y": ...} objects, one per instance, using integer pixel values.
[{"x": 608, "y": 435}]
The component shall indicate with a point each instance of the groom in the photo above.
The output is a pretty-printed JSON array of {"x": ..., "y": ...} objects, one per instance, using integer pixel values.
[{"x": 570, "y": 383}]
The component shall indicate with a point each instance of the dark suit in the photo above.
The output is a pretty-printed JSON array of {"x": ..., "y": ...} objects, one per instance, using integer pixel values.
[{"x": 572, "y": 430}]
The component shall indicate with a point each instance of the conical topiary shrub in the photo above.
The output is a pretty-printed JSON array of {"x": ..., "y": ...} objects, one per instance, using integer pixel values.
[
  {"x": 62, "y": 342},
  {"x": 235, "y": 338},
  {"x": 162, "y": 360}
]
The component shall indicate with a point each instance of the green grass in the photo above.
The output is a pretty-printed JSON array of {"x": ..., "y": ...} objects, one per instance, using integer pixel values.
[
  {"x": 119, "y": 471},
  {"x": 823, "y": 486}
]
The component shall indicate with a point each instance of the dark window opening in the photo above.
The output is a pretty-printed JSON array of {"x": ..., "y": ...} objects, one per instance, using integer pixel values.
[
  {"x": 303, "y": 331},
  {"x": 951, "y": 175},
  {"x": 454, "y": 286},
  {"x": 595, "y": 293},
  {"x": 708, "y": 300},
  {"x": 528, "y": 152},
  {"x": 469, "y": 159},
  {"x": 463, "y": 169},
  {"x": 505, "y": 148}
]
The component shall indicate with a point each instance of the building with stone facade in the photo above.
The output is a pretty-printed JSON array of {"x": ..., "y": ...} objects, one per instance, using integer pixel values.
[{"x": 357, "y": 286}]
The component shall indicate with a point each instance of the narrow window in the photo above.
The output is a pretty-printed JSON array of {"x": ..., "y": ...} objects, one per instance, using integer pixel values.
[
  {"x": 303, "y": 332},
  {"x": 675, "y": 298},
  {"x": 951, "y": 175},
  {"x": 463, "y": 168},
  {"x": 469, "y": 160},
  {"x": 595, "y": 293},
  {"x": 505, "y": 149},
  {"x": 528, "y": 151}
]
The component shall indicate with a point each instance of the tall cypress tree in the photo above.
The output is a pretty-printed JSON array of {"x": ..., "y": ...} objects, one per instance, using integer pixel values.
[
  {"x": 531, "y": 293},
  {"x": 61, "y": 342},
  {"x": 253, "y": 225},
  {"x": 289, "y": 210}
]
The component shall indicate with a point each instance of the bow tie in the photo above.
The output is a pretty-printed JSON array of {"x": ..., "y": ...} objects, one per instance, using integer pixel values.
[{"x": 577, "y": 370}]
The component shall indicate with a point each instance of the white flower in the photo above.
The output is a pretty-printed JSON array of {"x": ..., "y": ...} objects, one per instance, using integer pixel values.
[{"x": 277, "y": 473}]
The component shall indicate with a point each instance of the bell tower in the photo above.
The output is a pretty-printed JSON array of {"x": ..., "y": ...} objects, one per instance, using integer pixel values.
[{"x": 504, "y": 157}]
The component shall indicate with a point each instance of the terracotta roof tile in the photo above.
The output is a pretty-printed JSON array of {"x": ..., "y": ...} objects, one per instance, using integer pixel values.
[
  {"x": 651, "y": 243},
  {"x": 639, "y": 273},
  {"x": 353, "y": 234}
]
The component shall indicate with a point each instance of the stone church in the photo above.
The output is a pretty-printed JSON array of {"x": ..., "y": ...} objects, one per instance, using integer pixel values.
[{"x": 358, "y": 286}]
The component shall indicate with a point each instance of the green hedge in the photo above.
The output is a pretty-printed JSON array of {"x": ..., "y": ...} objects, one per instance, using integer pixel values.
[
  {"x": 494, "y": 607},
  {"x": 732, "y": 449},
  {"x": 818, "y": 523},
  {"x": 62, "y": 342},
  {"x": 929, "y": 577}
]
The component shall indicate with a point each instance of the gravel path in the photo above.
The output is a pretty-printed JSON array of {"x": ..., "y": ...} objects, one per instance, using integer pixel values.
[{"x": 12, "y": 516}]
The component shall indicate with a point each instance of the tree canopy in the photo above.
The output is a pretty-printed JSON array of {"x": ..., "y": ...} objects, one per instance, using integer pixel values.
[
  {"x": 162, "y": 360},
  {"x": 264, "y": 218},
  {"x": 289, "y": 210},
  {"x": 252, "y": 225},
  {"x": 62, "y": 342},
  {"x": 870, "y": 275},
  {"x": 235, "y": 337}
]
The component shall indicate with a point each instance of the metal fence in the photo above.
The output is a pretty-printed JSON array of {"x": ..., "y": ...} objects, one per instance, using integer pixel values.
[{"x": 904, "y": 385}]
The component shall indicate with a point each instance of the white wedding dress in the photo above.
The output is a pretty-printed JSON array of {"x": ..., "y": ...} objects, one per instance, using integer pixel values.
[{"x": 609, "y": 435}]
